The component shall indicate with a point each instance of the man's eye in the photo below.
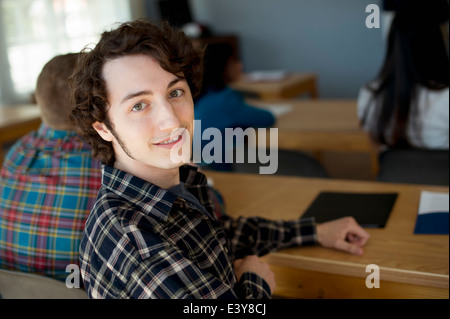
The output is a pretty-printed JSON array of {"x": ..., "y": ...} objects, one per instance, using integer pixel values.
[
  {"x": 176, "y": 93},
  {"x": 138, "y": 107}
]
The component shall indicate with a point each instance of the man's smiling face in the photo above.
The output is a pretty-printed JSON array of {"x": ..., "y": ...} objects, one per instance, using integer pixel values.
[{"x": 151, "y": 111}]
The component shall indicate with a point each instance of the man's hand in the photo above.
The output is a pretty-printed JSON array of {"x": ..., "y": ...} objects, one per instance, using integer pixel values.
[
  {"x": 255, "y": 265},
  {"x": 343, "y": 234}
]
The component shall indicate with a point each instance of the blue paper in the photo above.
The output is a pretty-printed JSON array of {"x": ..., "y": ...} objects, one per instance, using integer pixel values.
[
  {"x": 432, "y": 223},
  {"x": 433, "y": 214}
]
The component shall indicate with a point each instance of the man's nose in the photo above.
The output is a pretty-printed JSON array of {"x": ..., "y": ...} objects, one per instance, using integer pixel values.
[{"x": 167, "y": 118}]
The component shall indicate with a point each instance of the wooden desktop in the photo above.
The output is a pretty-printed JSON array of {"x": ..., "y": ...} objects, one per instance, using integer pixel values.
[
  {"x": 293, "y": 85},
  {"x": 322, "y": 125},
  {"x": 411, "y": 266}
]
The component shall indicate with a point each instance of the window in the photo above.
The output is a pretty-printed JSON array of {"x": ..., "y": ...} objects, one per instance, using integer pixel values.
[{"x": 33, "y": 31}]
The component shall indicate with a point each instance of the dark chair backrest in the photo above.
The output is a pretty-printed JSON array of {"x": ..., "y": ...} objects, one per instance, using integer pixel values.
[
  {"x": 415, "y": 166},
  {"x": 292, "y": 163}
]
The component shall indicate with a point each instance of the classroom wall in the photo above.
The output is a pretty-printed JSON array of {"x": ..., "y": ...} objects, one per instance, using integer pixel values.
[{"x": 326, "y": 36}]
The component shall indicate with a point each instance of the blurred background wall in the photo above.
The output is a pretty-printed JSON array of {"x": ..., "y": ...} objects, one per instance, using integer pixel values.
[
  {"x": 328, "y": 37},
  {"x": 324, "y": 36}
]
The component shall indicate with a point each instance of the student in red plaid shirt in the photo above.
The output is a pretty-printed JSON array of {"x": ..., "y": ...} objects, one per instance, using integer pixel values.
[
  {"x": 153, "y": 232},
  {"x": 48, "y": 184}
]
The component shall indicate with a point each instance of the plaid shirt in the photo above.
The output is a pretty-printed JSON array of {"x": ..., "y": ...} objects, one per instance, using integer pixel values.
[
  {"x": 48, "y": 184},
  {"x": 142, "y": 241}
]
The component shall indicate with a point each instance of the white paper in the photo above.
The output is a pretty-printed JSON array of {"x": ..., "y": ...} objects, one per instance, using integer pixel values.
[
  {"x": 269, "y": 76},
  {"x": 432, "y": 202}
]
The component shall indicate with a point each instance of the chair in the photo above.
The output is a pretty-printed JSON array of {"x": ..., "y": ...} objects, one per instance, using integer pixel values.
[
  {"x": 414, "y": 166},
  {"x": 21, "y": 285}
]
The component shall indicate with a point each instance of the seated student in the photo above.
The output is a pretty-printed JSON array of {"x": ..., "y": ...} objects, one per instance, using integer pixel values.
[
  {"x": 407, "y": 104},
  {"x": 218, "y": 105},
  {"x": 152, "y": 232},
  {"x": 48, "y": 184}
]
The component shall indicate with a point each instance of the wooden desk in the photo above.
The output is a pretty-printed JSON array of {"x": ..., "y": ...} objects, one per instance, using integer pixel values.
[
  {"x": 16, "y": 121},
  {"x": 293, "y": 85},
  {"x": 323, "y": 125},
  {"x": 411, "y": 266}
]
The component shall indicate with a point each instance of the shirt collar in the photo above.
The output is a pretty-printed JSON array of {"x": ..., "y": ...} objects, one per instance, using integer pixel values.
[
  {"x": 191, "y": 176},
  {"x": 50, "y": 133},
  {"x": 152, "y": 199}
]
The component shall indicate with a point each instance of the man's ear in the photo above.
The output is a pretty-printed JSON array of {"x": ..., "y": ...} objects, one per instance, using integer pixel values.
[{"x": 103, "y": 131}]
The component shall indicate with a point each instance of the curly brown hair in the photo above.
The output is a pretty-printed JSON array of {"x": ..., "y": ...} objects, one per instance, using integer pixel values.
[{"x": 173, "y": 50}]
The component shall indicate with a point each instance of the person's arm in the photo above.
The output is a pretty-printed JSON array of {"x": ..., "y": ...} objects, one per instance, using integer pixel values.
[
  {"x": 365, "y": 116},
  {"x": 169, "y": 274},
  {"x": 259, "y": 236},
  {"x": 246, "y": 115},
  {"x": 362, "y": 104},
  {"x": 251, "y": 271},
  {"x": 343, "y": 234}
]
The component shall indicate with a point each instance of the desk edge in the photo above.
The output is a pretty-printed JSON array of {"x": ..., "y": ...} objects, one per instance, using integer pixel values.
[{"x": 357, "y": 270}]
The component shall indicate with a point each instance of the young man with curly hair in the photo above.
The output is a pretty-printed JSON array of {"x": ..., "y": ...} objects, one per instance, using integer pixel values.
[{"x": 153, "y": 232}]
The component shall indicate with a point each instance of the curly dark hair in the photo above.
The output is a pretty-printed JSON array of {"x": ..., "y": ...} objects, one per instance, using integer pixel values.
[{"x": 173, "y": 50}]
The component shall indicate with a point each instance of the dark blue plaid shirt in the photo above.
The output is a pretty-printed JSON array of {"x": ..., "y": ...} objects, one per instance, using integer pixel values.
[{"x": 142, "y": 241}]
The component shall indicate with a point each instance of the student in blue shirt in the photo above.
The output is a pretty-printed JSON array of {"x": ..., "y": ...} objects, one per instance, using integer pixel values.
[{"x": 218, "y": 105}]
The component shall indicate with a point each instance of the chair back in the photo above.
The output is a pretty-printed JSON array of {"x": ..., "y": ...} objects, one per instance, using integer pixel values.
[
  {"x": 415, "y": 166},
  {"x": 21, "y": 285}
]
